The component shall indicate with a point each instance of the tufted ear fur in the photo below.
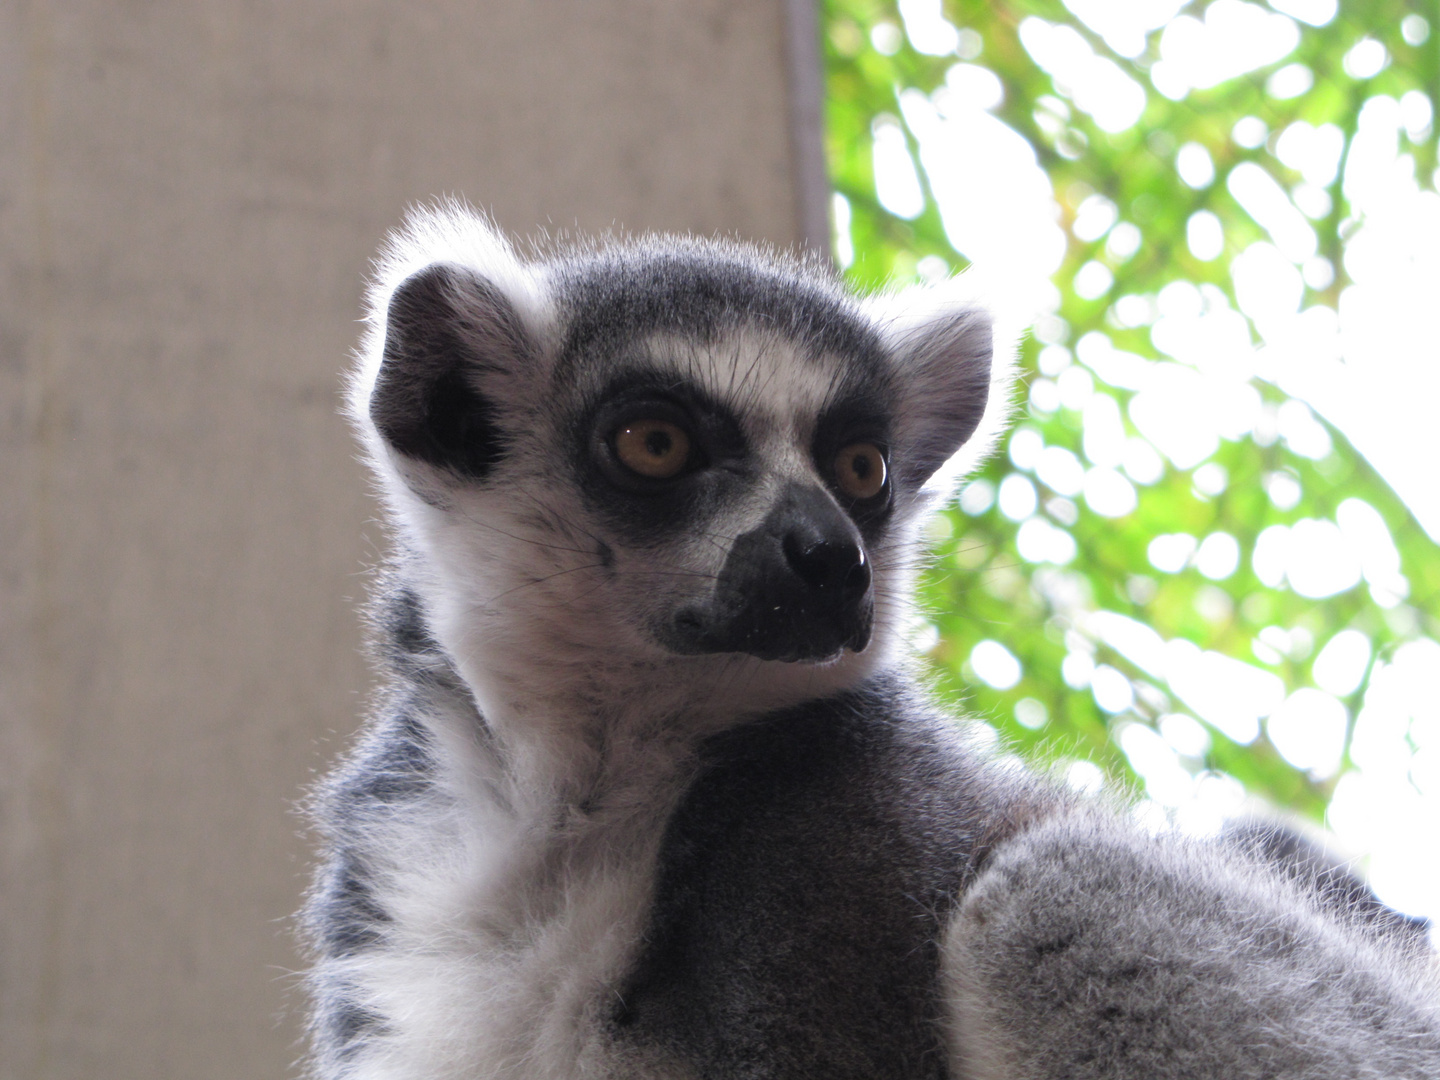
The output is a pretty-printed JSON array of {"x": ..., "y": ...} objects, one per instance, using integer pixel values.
[
  {"x": 946, "y": 386},
  {"x": 451, "y": 339},
  {"x": 953, "y": 387}
]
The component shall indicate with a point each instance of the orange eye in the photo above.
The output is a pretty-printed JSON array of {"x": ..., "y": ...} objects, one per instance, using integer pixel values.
[
  {"x": 860, "y": 470},
  {"x": 653, "y": 448}
]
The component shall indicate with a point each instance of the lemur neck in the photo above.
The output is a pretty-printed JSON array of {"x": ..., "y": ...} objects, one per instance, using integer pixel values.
[
  {"x": 581, "y": 730},
  {"x": 572, "y": 715},
  {"x": 591, "y": 731}
]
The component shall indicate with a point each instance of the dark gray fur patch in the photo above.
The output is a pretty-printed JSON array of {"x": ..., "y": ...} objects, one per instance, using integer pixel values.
[
  {"x": 349, "y": 1023},
  {"x": 804, "y": 883},
  {"x": 615, "y": 298},
  {"x": 394, "y": 764},
  {"x": 340, "y": 1028},
  {"x": 606, "y": 554},
  {"x": 352, "y": 921},
  {"x": 389, "y": 771}
]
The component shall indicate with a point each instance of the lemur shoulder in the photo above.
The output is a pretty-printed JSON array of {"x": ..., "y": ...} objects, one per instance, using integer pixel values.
[{"x": 651, "y": 788}]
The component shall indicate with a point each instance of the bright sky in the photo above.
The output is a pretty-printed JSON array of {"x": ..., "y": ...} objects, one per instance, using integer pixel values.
[{"x": 1372, "y": 368}]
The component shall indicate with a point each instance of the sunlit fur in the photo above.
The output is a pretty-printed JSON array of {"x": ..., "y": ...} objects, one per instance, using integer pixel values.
[{"x": 493, "y": 840}]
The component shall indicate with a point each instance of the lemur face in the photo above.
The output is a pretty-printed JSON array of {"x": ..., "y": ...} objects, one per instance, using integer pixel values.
[
  {"x": 679, "y": 450},
  {"x": 758, "y": 476}
]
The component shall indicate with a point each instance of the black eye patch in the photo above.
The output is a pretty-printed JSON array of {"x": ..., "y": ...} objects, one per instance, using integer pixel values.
[
  {"x": 647, "y": 506},
  {"x": 860, "y": 418}
]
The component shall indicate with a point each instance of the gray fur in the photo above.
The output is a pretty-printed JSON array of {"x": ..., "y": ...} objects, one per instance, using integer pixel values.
[
  {"x": 650, "y": 791},
  {"x": 1089, "y": 948}
]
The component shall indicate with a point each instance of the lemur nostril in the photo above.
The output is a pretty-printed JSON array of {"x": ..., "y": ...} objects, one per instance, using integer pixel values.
[{"x": 824, "y": 564}]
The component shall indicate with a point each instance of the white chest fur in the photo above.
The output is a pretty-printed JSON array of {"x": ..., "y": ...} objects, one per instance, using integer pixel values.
[{"x": 513, "y": 919}]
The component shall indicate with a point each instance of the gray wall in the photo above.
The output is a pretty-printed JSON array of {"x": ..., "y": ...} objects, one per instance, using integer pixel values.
[{"x": 189, "y": 193}]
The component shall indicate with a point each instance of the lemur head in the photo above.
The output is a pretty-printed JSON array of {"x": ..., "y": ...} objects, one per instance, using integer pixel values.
[{"x": 662, "y": 454}]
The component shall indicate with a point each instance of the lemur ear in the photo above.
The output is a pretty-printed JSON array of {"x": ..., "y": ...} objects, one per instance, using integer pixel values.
[
  {"x": 448, "y": 335},
  {"x": 953, "y": 388}
]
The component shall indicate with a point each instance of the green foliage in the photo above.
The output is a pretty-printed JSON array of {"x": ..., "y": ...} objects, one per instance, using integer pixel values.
[{"x": 980, "y": 587}]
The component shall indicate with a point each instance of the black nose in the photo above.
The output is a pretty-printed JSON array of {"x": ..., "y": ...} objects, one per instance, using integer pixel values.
[
  {"x": 796, "y": 588},
  {"x": 836, "y": 564}
]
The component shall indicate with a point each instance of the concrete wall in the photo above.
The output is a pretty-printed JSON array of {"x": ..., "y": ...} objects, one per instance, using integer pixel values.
[{"x": 189, "y": 193}]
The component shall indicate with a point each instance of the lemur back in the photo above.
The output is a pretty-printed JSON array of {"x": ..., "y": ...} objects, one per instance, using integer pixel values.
[{"x": 651, "y": 789}]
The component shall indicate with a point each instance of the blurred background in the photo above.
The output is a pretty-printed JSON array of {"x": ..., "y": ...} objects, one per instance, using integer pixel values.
[{"x": 1204, "y": 563}]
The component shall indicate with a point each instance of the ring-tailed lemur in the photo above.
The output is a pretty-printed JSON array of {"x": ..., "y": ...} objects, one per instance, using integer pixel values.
[{"x": 651, "y": 789}]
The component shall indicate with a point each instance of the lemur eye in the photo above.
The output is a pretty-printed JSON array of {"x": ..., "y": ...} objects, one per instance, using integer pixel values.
[
  {"x": 860, "y": 470},
  {"x": 653, "y": 448}
]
